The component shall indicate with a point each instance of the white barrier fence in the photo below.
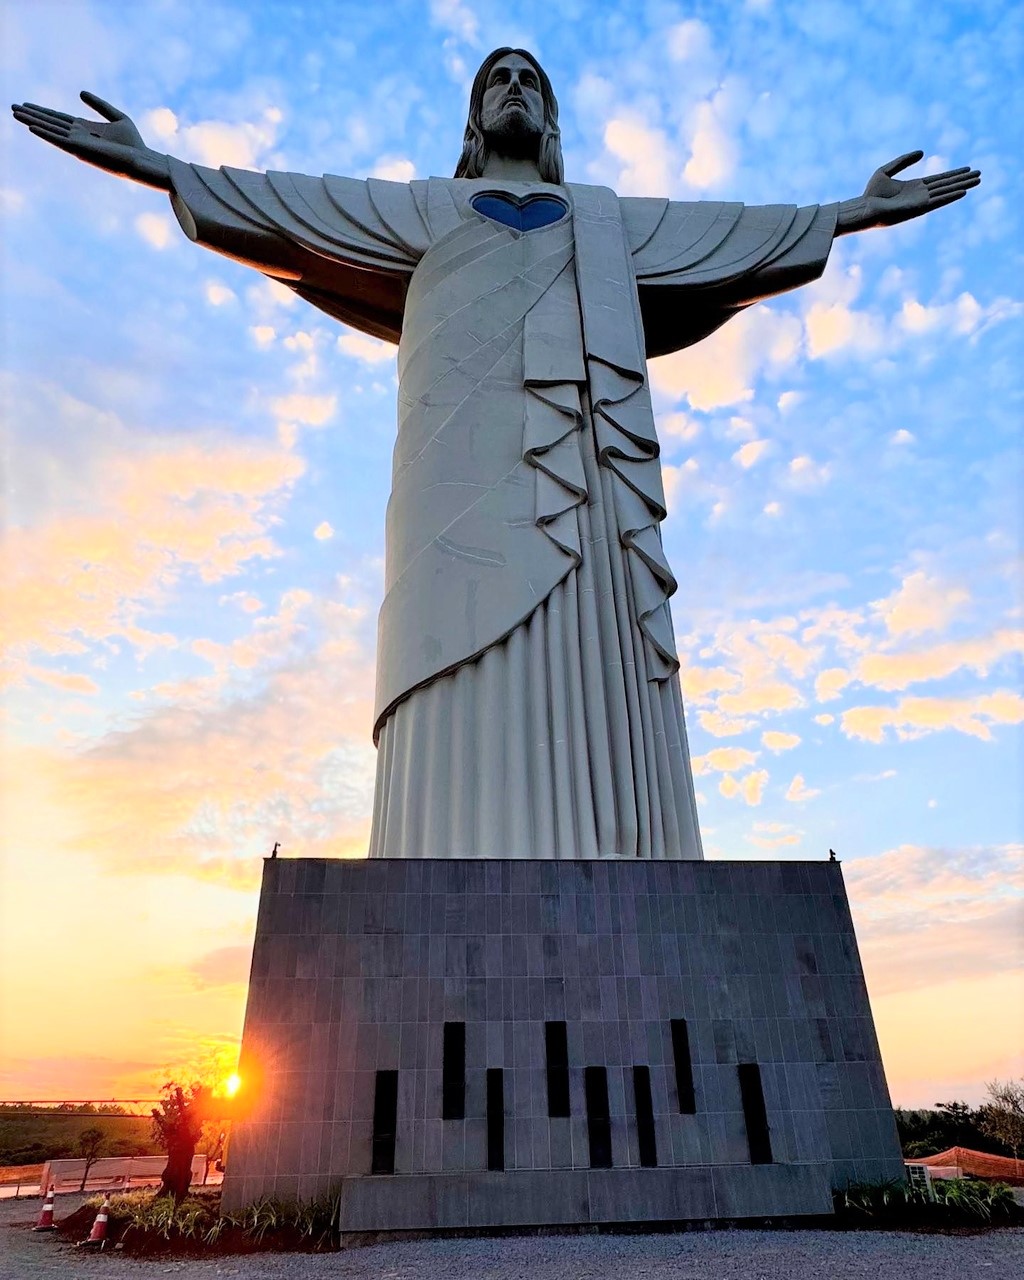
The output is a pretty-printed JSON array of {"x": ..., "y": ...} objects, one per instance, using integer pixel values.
[{"x": 111, "y": 1173}]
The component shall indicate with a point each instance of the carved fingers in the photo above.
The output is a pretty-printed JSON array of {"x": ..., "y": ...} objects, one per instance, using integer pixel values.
[
  {"x": 74, "y": 134},
  {"x": 900, "y": 163},
  {"x": 954, "y": 184},
  {"x": 101, "y": 107}
]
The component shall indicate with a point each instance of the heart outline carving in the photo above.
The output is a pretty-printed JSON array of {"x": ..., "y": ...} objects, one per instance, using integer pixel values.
[{"x": 530, "y": 213}]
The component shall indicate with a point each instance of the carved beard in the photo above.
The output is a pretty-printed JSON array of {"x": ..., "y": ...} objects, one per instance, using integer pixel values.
[{"x": 512, "y": 131}]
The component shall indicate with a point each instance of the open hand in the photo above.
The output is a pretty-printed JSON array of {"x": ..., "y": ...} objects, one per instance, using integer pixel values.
[
  {"x": 890, "y": 200},
  {"x": 116, "y": 145}
]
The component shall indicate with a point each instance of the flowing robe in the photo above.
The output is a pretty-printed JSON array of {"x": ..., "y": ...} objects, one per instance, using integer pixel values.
[{"x": 528, "y": 700}]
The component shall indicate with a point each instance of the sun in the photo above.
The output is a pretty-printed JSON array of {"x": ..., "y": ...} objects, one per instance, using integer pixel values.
[{"x": 232, "y": 1084}]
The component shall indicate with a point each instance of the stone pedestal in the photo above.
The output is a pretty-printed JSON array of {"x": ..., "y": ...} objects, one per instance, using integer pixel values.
[{"x": 478, "y": 1044}]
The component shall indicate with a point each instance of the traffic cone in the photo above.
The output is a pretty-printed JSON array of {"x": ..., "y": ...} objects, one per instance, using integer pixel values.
[
  {"x": 45, "y": 1222},
  {"x": 98, "y": 1234}
]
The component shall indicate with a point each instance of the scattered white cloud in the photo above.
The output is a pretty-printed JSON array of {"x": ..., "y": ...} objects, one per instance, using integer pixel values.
[
  {"x": 750, "y": 788},
  {"x": 156, "y": 229},
  {"x": 723, "y": 369},
  {"x": 263, "y": 334},
  {"x": 776, "y": 741},
  {"x": 369, "y": 350},
  {"x": 394, "y": 169},
  {"x": 920, "y": 603},
  {"x": 916, "y": 717},
  {"x": 830, "y": 683},
  {"x": 798, "y": 791},
  {"x": 750, "y": 453},
  {"x": 323, "y": 531},
  {"x": 723, "y": 760},
  {"x": 217, "y": 294}
]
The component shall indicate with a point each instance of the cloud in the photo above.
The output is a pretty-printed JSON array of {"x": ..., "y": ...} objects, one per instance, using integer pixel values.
[
  {"x": 394, "y": 169},
  {"x": 917, "y": 717},
  {"x": 644, "y": 152},
  {"x": 713, "y": 150},
  {"x": 830, "y": 683},
  {"x": 772, "y": 509},
  {"x": 963, "y": 316},
  {"x": 805, "y": 473},
  {"x": 926, "y": 915},
  {"x": 221, "y": 967},
  {"x": 457, "y": 18},
  {"x": 750, "y": 787},
  {"x": 218, "y": 294},
  {"x": 156, "y": 229},
  {"x": 679, "y": 426},
  {"x": 722, "y": 369},
  {"x": 824, "y": 719},
  {"x": 776, "y": 741},
  {"x": 750, "y": 453},
  {"x": 65, "y": 681},
  {"x": 902, "y": 436},
  {"x": 720, "y": 726},
  {"x": 920, "y": 603},
  {"x": 370, "y": 350},
  {"x": 160, "y": 514},
  {"x": 723, "y": 760},
  {"x": 798, "y": 791},
  {"x": 898, "y": 670},
  {"x": 242, "y": 144},
  {"x": 323, "y": 531},
  {"x": 310, "y": 410},
  {"x": 774, "y": 835},
  {"x": 263, "y": 334}
]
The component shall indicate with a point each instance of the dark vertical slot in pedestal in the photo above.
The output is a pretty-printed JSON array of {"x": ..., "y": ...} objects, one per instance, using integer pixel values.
[
  {"x": 599, "y": 1127},
  {"x": 556, "y": 1051},
  {"x": 453, "y": 1072},
  {"x": 684, "y": 1068},
  {"x": 645, "y": 1117},
  {"x": 754, "y": 1113},
  {"x": 495, "y": 1119},
  {"x": 385, "y": 1122}
]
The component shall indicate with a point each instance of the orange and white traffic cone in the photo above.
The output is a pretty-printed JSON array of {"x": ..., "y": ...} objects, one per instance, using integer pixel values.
[
  {"x": 98, "y": 1234},
  {"x": 45, "y": 1222}
]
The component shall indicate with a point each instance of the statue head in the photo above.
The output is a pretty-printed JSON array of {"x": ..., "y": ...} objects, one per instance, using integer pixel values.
[{"x": 512, "y": 112}]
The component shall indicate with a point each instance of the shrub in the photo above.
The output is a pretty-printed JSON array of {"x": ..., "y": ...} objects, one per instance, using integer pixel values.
[{"x": 958, "y": 1202}]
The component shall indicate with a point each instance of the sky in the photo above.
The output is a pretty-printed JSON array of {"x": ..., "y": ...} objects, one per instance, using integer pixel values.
[{"x": 196, "y": 467}]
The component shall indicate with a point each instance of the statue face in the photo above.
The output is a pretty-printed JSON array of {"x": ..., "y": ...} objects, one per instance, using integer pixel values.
[{"x": 512, "y": 109}]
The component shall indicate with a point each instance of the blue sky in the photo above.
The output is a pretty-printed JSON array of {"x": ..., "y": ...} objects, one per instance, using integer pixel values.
[{"x": 197, "y": 464}]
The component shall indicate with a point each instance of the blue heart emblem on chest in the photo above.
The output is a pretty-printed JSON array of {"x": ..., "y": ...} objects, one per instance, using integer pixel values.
[{"x": 521, "y": 215}]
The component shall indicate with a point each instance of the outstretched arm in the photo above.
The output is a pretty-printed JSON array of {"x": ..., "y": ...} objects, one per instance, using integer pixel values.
[
  {"x": 116, "y": 146},
  {"x": 887, "y": 201}
]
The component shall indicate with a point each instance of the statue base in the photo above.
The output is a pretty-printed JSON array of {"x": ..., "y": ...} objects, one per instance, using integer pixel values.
[{"x": 480, "y": 1044}]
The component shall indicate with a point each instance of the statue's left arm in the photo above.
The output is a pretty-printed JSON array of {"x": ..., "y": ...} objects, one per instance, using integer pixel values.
[
  {"x": 697, "y": 264},
  {"x": 888, "y": 200}
]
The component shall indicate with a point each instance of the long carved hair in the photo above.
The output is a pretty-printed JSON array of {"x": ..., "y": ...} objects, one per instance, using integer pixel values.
[{"x": 474, "y": 146}]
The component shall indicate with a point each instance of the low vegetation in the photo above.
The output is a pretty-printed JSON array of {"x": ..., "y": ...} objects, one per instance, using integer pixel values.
[
  {"x": 145, "y": 1223},
  {"x": 959, "y": 1202}
]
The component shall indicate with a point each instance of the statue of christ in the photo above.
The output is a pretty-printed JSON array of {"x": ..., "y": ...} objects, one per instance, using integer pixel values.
[{"x": 528, "y": 701}]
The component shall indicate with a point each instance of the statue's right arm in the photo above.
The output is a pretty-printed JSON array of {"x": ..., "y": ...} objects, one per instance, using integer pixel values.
[{"x": 116, "y": 145}]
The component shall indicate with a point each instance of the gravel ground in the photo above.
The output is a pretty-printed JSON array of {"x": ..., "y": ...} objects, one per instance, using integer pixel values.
[{"x": 715, "y": 1255}]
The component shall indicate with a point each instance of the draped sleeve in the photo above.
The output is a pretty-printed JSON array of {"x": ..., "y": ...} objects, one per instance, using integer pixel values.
[
  {"x": 698, "y": 264},
  {"x": 347, "y": 246}
]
